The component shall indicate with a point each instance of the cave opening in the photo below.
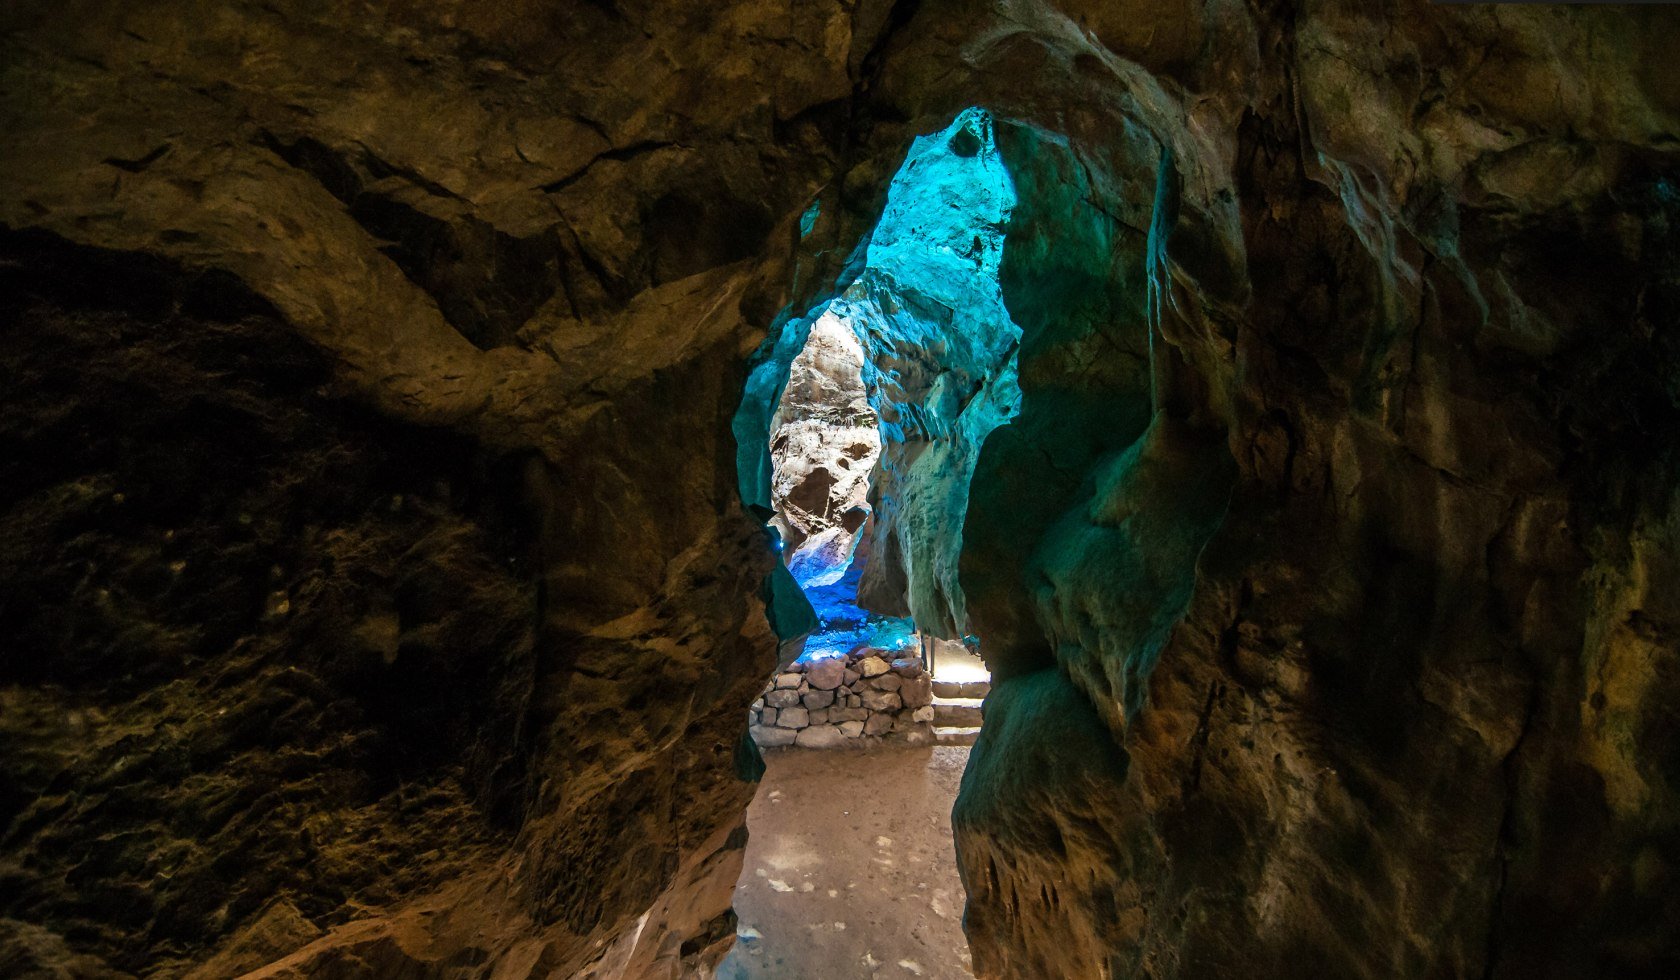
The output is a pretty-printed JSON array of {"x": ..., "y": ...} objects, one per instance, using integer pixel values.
[
  {"x": 859, "y": 433},
  {"x": 862, "y": 424}
]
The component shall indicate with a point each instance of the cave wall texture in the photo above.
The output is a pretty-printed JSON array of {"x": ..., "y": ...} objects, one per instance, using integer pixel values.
[{"x": 367, "y": 469}]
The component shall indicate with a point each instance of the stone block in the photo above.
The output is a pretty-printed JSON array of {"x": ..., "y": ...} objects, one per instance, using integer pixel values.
[
  {"x": 818, "y": 699},
  {"x": 846, "y": 714},
  {"x": 826, "y": 674},
  {"x": 872, "y": 666},
  {"x": 851, "y": 729},
  {"x": 959, "y": 714},
  {"x": 771, "y": 738},
  {"x": 887, "y": 682},
  {"x": 782, "y": 698},
  {"x": 882, "y": 700},
  {"x": 922, "y": 715},
  {"x": 793, "y": 718},
  {"x": 907, "y": 667},
  {"x": 767, "y": 717},
  {"x": 819, "y": 716},
  {"x": 850, "y": 677},
  {"x": 820, "y": 737},
  {"x": 787, "y": 681},
  {"x": 917, "y": 691},
  {"x": 879, "y": 723}
]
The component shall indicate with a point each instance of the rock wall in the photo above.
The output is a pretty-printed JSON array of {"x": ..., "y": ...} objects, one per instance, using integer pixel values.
[
  {"x": 853, "y": 699},
  {"x": 377, "y": 598},
  {"x": 369, "y": 607},
  {"x": 1306, "y": 640},
  {"x": 824, "y": 443}
]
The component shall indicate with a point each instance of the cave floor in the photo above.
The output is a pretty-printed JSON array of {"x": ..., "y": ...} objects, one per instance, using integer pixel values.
[{"x": 850, "y": 870}]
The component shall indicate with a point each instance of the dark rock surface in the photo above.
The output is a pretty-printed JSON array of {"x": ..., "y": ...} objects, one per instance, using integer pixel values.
[{"x": 368, "y": 483}]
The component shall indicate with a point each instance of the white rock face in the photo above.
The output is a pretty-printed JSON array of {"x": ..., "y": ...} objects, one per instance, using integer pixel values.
[{"x": 823, "y": 447}]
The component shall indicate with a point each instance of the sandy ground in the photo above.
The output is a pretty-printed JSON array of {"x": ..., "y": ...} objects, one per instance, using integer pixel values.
[{"x": 850, "y": 871}]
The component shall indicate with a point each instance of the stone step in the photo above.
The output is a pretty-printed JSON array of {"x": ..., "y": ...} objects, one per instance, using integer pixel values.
[
  {"x": 961, "y": 689},
  {"x": 957, "y": 712},
  {"x": 955, "y": 735}
]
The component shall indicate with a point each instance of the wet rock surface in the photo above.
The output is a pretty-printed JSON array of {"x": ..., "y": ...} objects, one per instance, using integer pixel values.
[{"x": 376, "y": 595}]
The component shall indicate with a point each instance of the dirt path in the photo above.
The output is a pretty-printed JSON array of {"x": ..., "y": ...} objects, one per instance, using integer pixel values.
[{"x": 850, "y": 872}]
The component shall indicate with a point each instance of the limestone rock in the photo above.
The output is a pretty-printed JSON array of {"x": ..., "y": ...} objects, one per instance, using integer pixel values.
[
  {"x": 879, "y": 723},
  {"x": 789, "y": 680},
  {"x": 881, "y": 700},
  {"x": 1324, "y": 564},
  {"x": 851, "y": 729},
  {"x": 872, "y": 666},
  {"x": 782, "y": 698},
  {"x": 826, "y": 674},
  {"x": 922, "y": 715},
  {"x": 818, "y": 716},
  {"x": 917, "y": 692},
  {"x": 793, "y": 718},
  {"x": 773, "y": 737},
  {"x": 817, "y": 699},
  {"x": 908, "y": 667},
  {"x": 886, "y": 682},
  {"x": 820, "y": 737}
]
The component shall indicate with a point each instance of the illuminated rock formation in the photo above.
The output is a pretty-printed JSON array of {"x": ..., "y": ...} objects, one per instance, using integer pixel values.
[{"x": 383, "y": 569}]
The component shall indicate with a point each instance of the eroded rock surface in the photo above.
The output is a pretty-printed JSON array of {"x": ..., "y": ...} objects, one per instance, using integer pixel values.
[
  {"x": 824, "y": 444},
  {"x": 368, "y": 485},
  {"x": 369, "y": 489}
]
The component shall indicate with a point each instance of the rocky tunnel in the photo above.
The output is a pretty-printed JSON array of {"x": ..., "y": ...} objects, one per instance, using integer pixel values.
[{"x": 1281, "y": 392}]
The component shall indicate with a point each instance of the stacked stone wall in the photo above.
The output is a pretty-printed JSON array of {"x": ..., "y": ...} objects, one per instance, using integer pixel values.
[{"x": 864, "y": 696}]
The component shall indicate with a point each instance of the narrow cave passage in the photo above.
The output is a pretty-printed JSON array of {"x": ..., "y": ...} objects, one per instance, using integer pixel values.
[{"x": 862, "y": 428}]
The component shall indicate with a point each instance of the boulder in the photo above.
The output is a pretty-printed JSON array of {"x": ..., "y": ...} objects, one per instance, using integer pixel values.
[
  {"x": 793, "y": 718},
  {"x": 850, "y": 677},
  {"x": 886, "y": 682},
  {"x": 782, "y": 698},
  {"x": 771, "y": 738},
  {"x": 908, "y": 667},
  {"x": 882, "y": 700},
  {"x": 917, "y": 692},
  {"x": 826, "y": 674},
  {"x": 788, "y": 680},
  {"x": 820, "y": 737},
  {"x": 851, "y": 729},
  {"x": 872, "y": 666},
  {"x": 818, "y": 716},
  {"x": 879, "y": 723},
  {"x": 767, "y": 716},
  {"x": 818, "y": 699},
  {"x": 922, "y": 715}
]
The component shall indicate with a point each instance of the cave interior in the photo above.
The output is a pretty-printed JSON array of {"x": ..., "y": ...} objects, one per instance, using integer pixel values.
[{"x": 430, "y": 427}]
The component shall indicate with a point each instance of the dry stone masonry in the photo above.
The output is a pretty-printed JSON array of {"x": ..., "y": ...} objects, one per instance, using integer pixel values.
[{"x": 853, "y": 699}]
